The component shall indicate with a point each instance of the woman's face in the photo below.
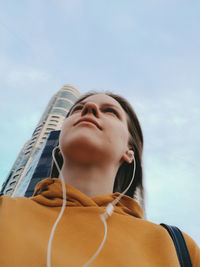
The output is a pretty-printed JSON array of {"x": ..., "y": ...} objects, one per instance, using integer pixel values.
[{"x": 95, "y": 131}]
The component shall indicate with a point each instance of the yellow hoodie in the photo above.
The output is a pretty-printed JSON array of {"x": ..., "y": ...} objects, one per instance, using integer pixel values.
[{"x": 25, "y": 226}]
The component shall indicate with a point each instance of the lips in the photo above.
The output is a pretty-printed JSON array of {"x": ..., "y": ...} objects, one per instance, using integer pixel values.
[{"x": 89, "y": 120}]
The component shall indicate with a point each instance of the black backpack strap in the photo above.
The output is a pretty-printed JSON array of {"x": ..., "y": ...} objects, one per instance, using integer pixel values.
[{"x": 180, "y": 245}]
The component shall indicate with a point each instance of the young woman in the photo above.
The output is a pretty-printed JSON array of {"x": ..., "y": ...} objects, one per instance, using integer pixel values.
[{"x": 93, "y": 218}]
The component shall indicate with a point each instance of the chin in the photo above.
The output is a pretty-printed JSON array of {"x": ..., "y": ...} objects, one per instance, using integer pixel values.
[{"x": 82, "y": 149}]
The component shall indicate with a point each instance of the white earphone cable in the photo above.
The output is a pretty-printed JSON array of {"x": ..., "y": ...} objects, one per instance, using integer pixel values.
[
  {"x": 101, "y": 245},
  {"x": 108, "y": 212},
  {"x": 60, "y": 214},
  {"x": 124, "y": 192}
]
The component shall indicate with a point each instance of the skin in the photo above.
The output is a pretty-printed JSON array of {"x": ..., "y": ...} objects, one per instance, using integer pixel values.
[{"x": 94, "y": 150}]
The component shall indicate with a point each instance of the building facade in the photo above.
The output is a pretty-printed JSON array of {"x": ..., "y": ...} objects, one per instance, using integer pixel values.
[{"x": 25, "y": 166}]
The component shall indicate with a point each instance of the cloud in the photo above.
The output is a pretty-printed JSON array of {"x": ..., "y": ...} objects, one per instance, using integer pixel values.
[{"x": 24, "y": 75}]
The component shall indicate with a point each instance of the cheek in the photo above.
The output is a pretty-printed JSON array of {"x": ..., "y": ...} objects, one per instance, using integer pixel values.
[
  {"x": 67, "y": 124},
  {"x": 121, "y": 137},
  {"x": 125, "y": 138},
  {"x": 64, "y": 130},
  {"x": 124, "y": 134}
]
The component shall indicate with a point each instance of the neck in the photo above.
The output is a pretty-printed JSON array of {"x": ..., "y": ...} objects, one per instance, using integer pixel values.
[{"x": 90, "y": 179}]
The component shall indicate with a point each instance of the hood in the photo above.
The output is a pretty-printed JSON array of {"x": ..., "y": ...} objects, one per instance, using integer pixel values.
[{"x": 48, "y": 192}]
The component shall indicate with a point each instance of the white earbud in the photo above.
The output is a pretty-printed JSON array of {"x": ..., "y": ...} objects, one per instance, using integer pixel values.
[{"x": 131, "y": 152}]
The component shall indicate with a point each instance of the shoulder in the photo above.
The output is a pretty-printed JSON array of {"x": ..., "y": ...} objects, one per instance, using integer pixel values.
[
  {"x": 194, "y": 250},
  {"x": 4, "y": 199},
  {"x": 163, "y": 235},
  {"x": 8, "y": 203}
]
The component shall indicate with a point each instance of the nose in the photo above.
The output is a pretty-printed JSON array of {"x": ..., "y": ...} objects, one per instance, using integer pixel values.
[{"x": 90, "y": 108}]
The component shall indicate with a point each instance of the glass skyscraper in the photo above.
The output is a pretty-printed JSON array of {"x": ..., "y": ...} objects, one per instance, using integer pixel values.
[{"x": 25, "y": 172}]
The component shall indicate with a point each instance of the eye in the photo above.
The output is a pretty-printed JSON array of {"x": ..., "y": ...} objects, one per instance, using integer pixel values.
[
  {"x": 111, "y": 110},
  {"x": 76, "y": 108}
]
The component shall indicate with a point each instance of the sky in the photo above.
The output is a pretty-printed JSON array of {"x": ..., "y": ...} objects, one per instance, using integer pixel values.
[{"x": 147, "y": 51}]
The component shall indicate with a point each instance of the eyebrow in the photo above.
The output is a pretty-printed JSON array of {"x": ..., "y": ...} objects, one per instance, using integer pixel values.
[
  {"x": 104, "y": 105},
  {"x": 111, "y": 105}
]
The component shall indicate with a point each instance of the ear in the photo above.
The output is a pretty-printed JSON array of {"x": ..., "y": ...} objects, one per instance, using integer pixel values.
[{"x": 128, "y": 156}]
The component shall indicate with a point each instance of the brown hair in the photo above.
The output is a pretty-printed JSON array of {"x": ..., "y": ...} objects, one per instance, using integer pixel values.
[{"x": 125, "y": 171}]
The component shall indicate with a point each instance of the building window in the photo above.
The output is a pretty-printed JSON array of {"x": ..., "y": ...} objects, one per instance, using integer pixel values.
[
  {"x": 9, "y": 190},
  {"x": 63, "y": 104},
  {"x": 31, "y": 143},
  {"x": 35, "y": 134},
  {"x": 60, "y": 111},
  {"x": 13, "y": 183},
  {"x": 55, "y": 117},
  {"x": 68, "y": 95},
  {"x": 18, "y": 170},
  {"x": 51, "y": 124},
  {"x": 43, "y": 161},
  {"x": 53, "y": 121},
  {"x": 38, "y": 129},
  {"x": 29, "y": 148}
]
